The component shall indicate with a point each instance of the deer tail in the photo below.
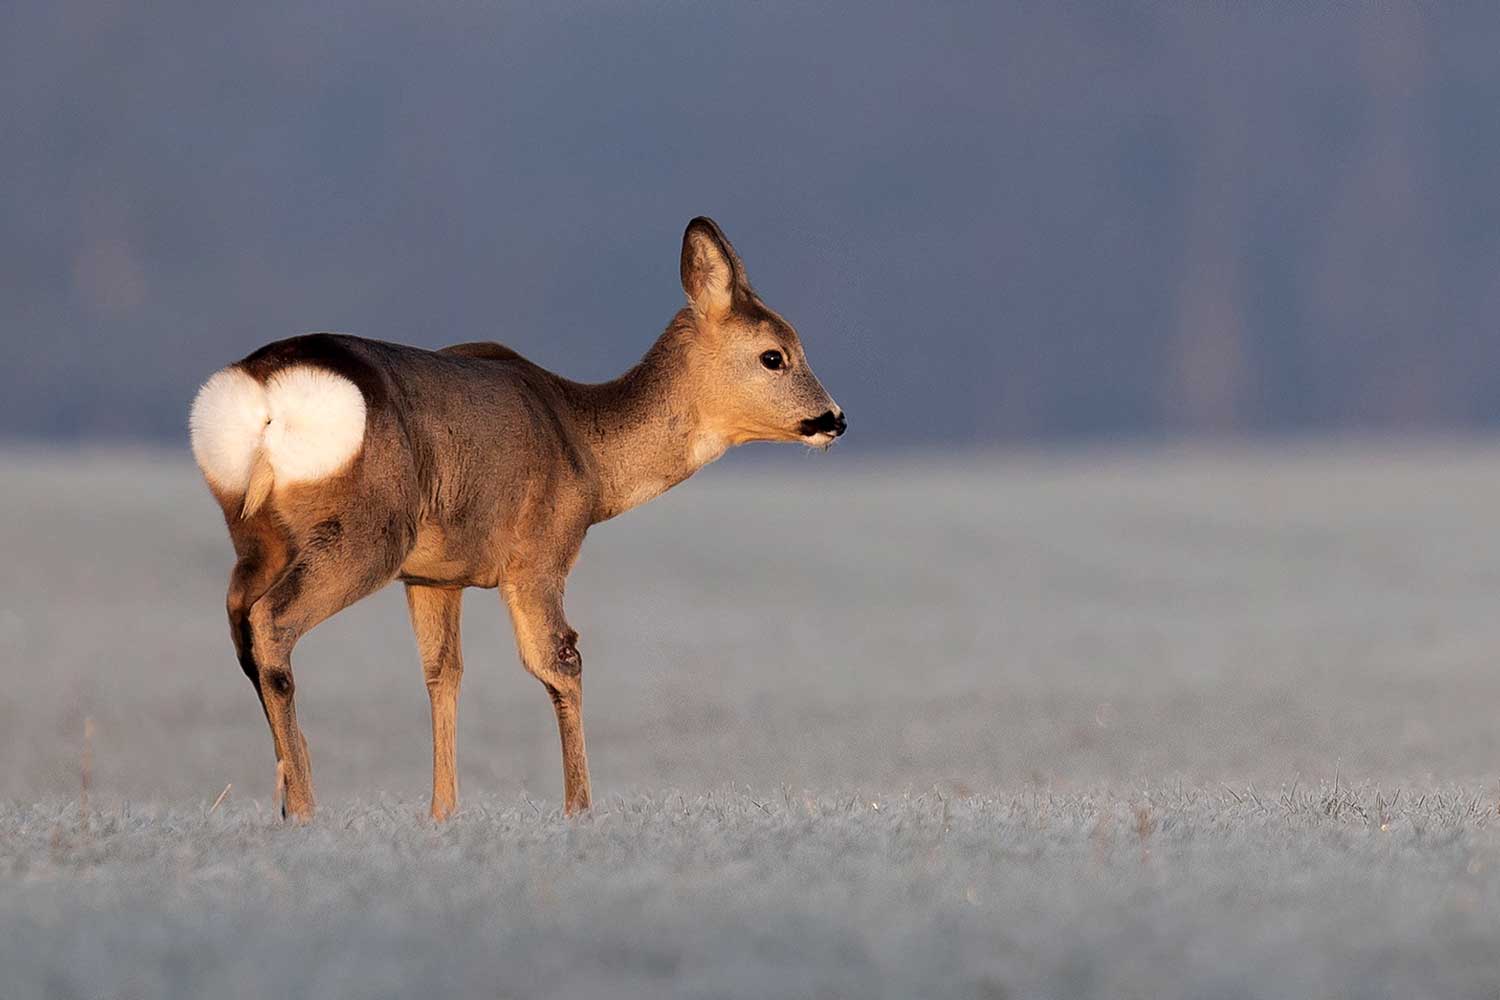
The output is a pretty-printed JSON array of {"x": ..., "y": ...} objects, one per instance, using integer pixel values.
[{"x": 262, "y": 478}]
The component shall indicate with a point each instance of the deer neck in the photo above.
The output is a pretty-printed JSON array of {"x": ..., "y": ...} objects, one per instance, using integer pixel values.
[{"x": 645, "y": 428}]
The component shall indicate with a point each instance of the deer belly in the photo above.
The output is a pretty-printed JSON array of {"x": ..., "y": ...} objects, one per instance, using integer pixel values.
[{"x": 435, "y": 560}]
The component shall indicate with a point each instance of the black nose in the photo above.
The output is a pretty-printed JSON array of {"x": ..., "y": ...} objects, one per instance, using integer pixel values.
[{"x": 828, "y": 423}]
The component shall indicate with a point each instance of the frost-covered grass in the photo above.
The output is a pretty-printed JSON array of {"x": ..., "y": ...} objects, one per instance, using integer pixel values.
[
  {"x": 1149, "y": 724},
  {"x": 1152, "y": 892}
]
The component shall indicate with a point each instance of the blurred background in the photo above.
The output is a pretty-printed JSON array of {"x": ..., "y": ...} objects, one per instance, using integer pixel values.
[{"x": 991, "y": 222}]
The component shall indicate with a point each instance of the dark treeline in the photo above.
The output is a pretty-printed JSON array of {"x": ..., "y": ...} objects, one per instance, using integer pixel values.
[{"x": 991, "y": 222}]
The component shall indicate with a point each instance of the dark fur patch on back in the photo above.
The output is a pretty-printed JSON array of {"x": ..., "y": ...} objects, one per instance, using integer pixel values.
[
  {"x": 489, "y": 350},
  {"x": 322, "y": 350}
]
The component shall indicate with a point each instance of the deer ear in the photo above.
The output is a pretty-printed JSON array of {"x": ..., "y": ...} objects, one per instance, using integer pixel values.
[{"x": 712, "y": 274}]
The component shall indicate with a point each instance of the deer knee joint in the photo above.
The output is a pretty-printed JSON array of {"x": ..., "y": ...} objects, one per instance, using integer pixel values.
[
  {"x": 569, "y": 662},
  {"x": 278, "y": 680},
  {"x": 556, "y": 663}
]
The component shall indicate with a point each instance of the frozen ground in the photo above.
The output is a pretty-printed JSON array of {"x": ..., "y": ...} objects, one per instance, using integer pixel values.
[{"x": 1115, "y": 724}]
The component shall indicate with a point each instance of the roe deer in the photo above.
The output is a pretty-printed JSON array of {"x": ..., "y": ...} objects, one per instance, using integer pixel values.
[{"x": 343, "y": 463}]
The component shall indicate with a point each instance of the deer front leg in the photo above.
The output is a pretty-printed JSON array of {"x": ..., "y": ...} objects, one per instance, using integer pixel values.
[
  {"x": 549, "y": 651},
  {"x": 435, "y": 613}
]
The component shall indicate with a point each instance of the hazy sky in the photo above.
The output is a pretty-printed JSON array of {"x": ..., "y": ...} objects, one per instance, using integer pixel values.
[{"x": 989, "y": 221}]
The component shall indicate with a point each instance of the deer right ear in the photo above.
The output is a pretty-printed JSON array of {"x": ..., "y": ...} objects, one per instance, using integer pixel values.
[{"x": 711, "y": 270}]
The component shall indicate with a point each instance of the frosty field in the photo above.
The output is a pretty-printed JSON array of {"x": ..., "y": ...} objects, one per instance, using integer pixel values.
[{"x": 1156, "y": 723}]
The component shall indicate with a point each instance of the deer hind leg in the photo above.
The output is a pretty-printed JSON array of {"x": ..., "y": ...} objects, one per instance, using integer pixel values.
[
  {"x": 333, "y": 567},
  {"x": 435, "y": 613},
  {"x": 549, "y": 651},
  {"x": 264, "y": 551}
]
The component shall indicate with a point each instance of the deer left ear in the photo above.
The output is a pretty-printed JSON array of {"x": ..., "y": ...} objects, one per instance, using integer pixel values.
[{"x": 712, "y": 275}]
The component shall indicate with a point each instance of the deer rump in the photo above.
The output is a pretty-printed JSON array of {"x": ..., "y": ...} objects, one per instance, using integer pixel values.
[{"x": 301, "y": 425}]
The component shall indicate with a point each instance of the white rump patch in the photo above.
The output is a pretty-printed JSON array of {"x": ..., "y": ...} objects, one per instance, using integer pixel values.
[
  {"x": 316, "y": 423},
  {"x": 308, "y": 421},
  {"x": 226, "y": 423}
]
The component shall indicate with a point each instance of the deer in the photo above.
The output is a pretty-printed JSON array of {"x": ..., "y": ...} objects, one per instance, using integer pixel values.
[{"x": 342, "y": 464}]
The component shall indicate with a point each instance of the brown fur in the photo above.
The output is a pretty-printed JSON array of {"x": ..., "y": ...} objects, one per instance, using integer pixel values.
[{"x": 481, "y": 469}]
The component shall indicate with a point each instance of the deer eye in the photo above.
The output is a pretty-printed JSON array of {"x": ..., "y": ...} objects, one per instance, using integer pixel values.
[{"x": 773, "y": 360}]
